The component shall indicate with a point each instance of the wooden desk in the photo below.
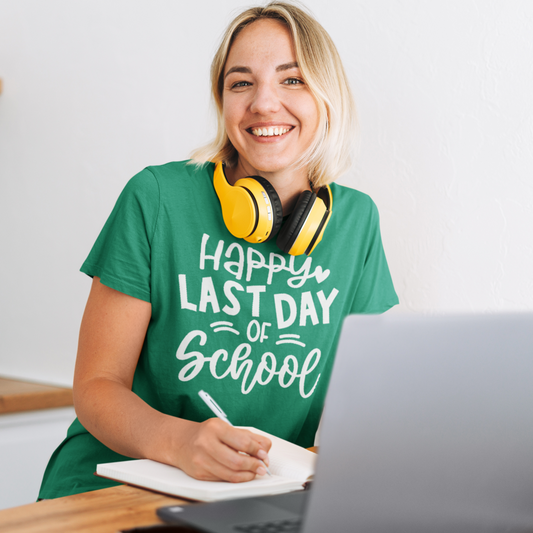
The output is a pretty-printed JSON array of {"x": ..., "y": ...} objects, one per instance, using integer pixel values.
[
  {"x": 100, "y": 511},
  {"x": 17, "y": 396}
]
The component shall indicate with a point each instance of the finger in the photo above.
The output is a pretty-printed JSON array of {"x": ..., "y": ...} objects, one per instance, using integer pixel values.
[
  {"x": 214, "y": 468},
  {"x": 218, "y": 442},
  {"x": 226, "y": 473},
  {"x": 239, "y": 460},
  {"x": 264, "y": 443},
  {"x": 250, "y": 443}
]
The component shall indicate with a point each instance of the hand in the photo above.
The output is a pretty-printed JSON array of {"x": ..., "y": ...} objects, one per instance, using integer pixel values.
[{"x": 215, "y": 451}]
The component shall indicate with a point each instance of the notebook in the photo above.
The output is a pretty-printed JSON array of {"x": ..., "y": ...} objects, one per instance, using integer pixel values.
[
  {"x": 291, "y": 466},
  {"x": 428, "y": 427}
]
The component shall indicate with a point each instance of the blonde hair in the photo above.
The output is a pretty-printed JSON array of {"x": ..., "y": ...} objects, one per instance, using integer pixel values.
[{"x": 330, "y": 153}]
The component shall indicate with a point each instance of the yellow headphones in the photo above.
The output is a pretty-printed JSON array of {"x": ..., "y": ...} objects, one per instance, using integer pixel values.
[{"x": 252, "y": 211}]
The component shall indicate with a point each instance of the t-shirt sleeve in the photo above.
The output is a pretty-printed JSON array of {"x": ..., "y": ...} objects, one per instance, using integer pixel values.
[
  {"x": 120, "y": 256},
  {"x": 375, "y": 291}
]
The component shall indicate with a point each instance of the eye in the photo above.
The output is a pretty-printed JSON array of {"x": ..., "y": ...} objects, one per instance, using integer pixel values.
[
  {"x": 293, "y": 81},
  {"x": 240, "y": 84}
]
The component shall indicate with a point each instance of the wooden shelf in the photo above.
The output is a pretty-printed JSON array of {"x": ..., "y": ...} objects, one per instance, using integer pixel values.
[{"x": 19, "y": 396}]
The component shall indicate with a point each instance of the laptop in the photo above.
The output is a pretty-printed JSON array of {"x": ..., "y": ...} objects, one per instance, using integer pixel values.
[{"x": 428, "y": 427}]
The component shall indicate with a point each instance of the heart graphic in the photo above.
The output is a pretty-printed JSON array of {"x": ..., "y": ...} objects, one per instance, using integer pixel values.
[{"x": 320, "y": 274}]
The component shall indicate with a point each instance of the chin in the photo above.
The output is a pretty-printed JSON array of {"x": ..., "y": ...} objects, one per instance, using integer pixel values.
[{"x": 270, "y": 164}]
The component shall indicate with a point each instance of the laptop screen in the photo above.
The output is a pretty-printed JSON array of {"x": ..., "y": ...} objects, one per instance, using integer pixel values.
[{"x": 428, "y": 425}]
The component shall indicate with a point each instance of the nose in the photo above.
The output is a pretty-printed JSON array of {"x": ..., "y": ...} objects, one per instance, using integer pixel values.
[{"x": 266, "y": 100}]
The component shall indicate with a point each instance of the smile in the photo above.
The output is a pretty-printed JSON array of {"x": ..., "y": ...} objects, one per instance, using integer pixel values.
[{"x": 269, "y": 132}]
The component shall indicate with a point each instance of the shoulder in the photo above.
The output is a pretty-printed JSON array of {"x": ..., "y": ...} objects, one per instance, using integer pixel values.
[
  {"x": 353, "y": 204},
  {"x": 154, "y": 182},
  {"x": 348, "y": 196},
  {"x": 180, "y": 172}
]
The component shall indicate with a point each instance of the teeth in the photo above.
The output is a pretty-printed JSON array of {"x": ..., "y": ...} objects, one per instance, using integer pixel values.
[{"x": 269, "y": 132}]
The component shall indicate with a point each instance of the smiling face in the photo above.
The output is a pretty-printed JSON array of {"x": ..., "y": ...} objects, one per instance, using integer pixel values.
[{"x": 270, "y": 115}]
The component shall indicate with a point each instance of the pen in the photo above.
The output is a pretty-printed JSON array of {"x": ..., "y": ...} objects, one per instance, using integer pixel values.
[{"x": 220, "y": 414}]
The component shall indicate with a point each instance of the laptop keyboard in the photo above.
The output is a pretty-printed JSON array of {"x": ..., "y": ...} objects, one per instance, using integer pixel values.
[{"x": 276, "y": 526}]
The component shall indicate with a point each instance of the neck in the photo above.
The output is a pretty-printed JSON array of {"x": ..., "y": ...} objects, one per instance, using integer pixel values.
[{"x": 289, "y": 183}]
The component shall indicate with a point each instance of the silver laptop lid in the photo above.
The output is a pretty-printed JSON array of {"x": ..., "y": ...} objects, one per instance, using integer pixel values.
[{"x": 428, "y": 426}]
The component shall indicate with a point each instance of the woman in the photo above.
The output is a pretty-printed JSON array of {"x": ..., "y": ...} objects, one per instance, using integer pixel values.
[{"x": 179, "y": 303}]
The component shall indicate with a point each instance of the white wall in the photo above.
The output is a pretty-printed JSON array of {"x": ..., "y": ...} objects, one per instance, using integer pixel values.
[{"x": 96, "y": 90}]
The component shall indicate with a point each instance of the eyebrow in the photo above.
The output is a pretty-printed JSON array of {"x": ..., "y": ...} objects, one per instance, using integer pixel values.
[
  {"x": 287, "y": 66},
  {"x": 246, "y": 70}
]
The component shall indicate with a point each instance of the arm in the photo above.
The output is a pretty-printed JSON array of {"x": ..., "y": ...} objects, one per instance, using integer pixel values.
[{"x": 112, "y": 333}]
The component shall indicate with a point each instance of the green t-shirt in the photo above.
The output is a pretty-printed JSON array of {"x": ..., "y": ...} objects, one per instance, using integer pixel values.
[{"x": 252, "y": 326}]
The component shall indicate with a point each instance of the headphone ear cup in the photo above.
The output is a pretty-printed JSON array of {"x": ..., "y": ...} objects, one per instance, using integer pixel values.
[
  {"x": 292, "y": 227},
  {"x": 275, "y": 202}
]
